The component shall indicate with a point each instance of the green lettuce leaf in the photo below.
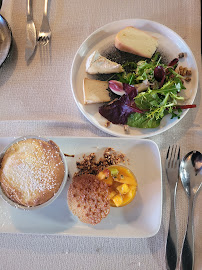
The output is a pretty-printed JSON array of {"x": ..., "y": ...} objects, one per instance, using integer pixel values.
[
  {"x": 145, "y": 101},
  {"x": 141, "y": 120}
]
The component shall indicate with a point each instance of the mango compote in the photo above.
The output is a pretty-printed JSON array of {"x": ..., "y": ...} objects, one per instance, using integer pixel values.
[{"x": 122, "y": 184}]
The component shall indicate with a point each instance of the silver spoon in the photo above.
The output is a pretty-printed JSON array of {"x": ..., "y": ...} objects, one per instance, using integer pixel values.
[{"x": 191, "y": 177}]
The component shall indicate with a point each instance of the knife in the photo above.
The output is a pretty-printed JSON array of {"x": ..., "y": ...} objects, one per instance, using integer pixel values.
[{"x": 30, "y": 33}]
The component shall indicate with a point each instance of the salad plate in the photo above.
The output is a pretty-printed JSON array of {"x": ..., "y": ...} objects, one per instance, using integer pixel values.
[
  {"x": 102, "y": 40},
  {"x": 139, "y": 219}
]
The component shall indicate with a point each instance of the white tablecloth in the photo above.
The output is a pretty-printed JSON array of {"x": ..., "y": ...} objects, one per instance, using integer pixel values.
[{"x": 37, "y": 99}]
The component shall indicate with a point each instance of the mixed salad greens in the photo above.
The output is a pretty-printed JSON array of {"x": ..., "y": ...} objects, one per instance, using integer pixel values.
[{"x": 147, "y": 91}]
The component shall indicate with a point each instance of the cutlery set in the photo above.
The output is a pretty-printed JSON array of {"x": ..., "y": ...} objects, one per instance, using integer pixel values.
[
  {"x": 31, "y": 36},
  {"x": 189, "y": 170}
]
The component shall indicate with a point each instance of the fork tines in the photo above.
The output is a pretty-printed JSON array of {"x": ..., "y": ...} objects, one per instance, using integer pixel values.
[
  {"x": 173, "y": 156},
  {"x": 43, "y": 40},
  {"x": 45, "y": 53},
  {"x": 45, "y": 36}
]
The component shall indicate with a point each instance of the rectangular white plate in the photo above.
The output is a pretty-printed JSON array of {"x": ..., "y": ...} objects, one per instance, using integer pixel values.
[{"x": 141, "y": 218}]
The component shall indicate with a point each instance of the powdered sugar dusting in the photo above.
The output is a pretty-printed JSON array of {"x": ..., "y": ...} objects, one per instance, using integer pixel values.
[{"x": 33, "y": 167}]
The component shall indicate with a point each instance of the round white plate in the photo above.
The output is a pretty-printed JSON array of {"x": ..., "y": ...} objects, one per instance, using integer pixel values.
[{"x": 170, "y": 44}]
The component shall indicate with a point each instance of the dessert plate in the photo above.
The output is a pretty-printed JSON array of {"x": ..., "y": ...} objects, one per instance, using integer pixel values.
[
  {"x": 140, "y": 218},
  {"x": 170, "y": 45}
]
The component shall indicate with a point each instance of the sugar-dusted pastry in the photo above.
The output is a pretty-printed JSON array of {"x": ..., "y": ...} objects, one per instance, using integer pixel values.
[{"x": 31, "y": 171}]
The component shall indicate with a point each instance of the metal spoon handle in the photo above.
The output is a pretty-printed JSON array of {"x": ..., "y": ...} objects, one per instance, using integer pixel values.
[
  {"x": 29, "y": 8},
  {"x": 188, "y": 246},
  {"x": 171, "y": 245},
  {"x": 45, "y": 7}
]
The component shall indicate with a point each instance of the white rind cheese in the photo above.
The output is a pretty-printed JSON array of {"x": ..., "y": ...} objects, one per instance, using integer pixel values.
[
  {"x": 135, "y": 41},
  {"x": 95, "y": 91},
  {"x": 97, "y": 63}
]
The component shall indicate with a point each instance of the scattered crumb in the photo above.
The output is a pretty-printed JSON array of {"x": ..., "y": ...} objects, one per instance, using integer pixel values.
[
  {"x": 181, "y": 55},
  {"x": 66, "y": 155},
  {"x": 126, "y": 128},
  {"x": 107, "y": 124}
]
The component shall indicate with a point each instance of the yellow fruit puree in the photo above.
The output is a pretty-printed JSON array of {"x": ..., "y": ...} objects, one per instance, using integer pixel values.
[{"x": 122, "y": 184}]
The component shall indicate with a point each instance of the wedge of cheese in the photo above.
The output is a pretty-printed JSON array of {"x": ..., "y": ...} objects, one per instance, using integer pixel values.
[
  {"x": 135, "y": 41},
  {"x": 95, "y": 91},
  {"x": 97, "y": 63}
]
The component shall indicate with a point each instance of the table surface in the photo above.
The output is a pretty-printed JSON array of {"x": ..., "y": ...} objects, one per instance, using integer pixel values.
[{"x": 36, "y": 99}]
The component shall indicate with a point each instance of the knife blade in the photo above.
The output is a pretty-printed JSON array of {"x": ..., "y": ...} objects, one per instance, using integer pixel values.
[
  {"x": 1, "y": 1},
  {"x": 30, "y": 33}
]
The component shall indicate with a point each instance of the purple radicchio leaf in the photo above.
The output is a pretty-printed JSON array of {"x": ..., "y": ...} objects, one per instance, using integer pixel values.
[
  {"x": 116, "y": 87},
  {"x": 118, "y": 110},
  {"x": 120, "y": 88},
  {"x": 174, "y": 63},
  {"x": 131, "y": 90},
  {"x": 160, "y": 75}
]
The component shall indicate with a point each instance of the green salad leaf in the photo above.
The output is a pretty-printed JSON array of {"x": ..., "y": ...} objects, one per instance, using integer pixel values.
[
  {"x": 140, "y": 120},
  {"x": 161, "y": 94},
  {"x": 156, "y": 102}
]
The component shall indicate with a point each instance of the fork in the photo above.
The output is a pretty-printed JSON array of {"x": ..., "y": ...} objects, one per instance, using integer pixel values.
[
  {"x": 172, "y": 171},
  {"x": 45, "y": 31}
]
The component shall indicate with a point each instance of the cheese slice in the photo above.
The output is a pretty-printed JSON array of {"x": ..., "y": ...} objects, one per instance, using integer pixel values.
[
  {"x": 97, "y": 63},
  {"x": 136, "y": 41},
  {"x": 95, "y": 91}
]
